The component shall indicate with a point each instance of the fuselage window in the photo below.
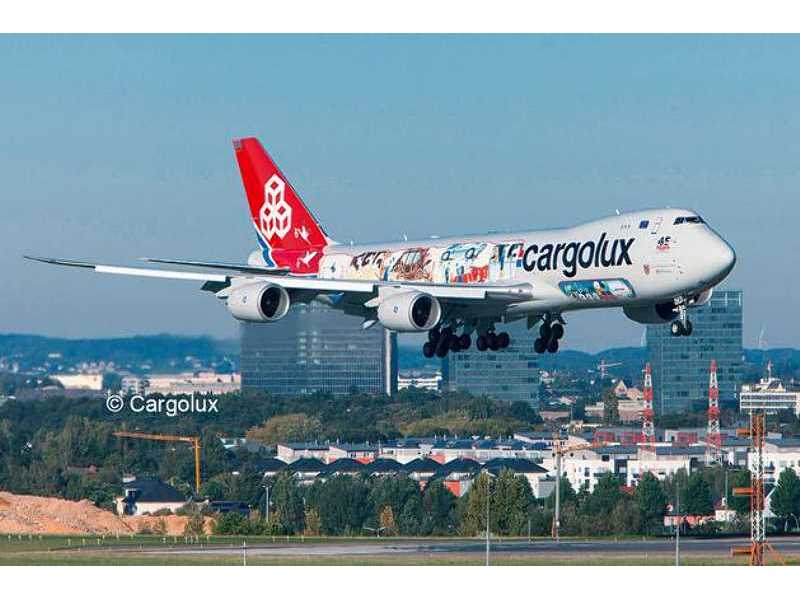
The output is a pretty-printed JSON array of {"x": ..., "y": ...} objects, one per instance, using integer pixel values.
[{"x": 681, "y": 220}]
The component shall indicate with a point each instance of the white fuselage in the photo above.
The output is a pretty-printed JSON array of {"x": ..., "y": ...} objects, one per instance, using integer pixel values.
[{"x": 634, "y": 258}]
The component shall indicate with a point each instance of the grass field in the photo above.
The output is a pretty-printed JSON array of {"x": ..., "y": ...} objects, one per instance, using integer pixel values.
[{"x": 142, "y": 550}]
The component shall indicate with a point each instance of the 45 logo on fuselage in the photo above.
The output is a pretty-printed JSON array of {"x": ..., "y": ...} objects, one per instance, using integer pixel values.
[{"x": 276, "y": 214}]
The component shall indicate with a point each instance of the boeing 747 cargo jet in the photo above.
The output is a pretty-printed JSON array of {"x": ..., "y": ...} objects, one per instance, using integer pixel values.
[{"x": 654, "y": 264}]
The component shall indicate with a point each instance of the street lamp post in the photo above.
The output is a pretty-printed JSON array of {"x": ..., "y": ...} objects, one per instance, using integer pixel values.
[
  {"x": 677, "y": 526},
  {"x": 266, "y": 503},
  {"x": 487, "y": 518}
]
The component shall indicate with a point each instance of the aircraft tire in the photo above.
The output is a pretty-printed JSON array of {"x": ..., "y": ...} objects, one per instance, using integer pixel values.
[
  {"x": 493, "y": 343},
  {"x": 464, "y": 341},
  {"x": 689, "y": 328},
  {"x": 503, "y": 339},
  {"x": 539, "y": 346},
  {"x": 481, "y": 344},
  {"x": 552, "y": 346},
  {"x": 676, "y": 328},
  {"x": 454, "y": 343},
  {"x": 428, "y": 349},
  {"x": 556, "y": 331}
]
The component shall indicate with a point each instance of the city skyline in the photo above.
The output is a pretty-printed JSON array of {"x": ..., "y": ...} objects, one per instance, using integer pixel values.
[{"x": 564, "y": 128}]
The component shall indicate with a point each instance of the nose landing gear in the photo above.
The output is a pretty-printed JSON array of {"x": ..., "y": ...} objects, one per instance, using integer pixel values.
[{"x": 682, "y": 325}]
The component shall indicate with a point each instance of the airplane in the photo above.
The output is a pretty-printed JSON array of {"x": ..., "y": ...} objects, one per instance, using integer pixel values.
[{"x": 655, "y": 264}]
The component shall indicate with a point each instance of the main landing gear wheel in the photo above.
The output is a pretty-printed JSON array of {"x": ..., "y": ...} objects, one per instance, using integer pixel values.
[
  {"x": 464, "y": 341},
  {"x": 481, "y": 344},
  {"x": 428, "y": 349},
  {"x": 549, "y": 334},
  {"x": 491, "y": 339},
  {"x": 503, "y": 339}
]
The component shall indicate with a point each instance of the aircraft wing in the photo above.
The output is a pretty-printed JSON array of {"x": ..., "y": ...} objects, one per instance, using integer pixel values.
[{"x": 456, "y": 293}]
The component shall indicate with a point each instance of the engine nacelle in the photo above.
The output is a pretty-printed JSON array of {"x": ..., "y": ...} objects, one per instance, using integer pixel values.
[
  {"x": 259, "y": 302},
  {"x": 409, "y": 312},
  {"x": 663, "y": 312}
]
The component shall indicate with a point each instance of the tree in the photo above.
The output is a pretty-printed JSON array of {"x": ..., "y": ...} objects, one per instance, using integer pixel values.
[
  {"x": 610, "y": 407},
  {"x": 342, "y": 504},
  {"x": 286, "y": 428},
  {"x": 566, "y": 494},
  {"x": 313, "y": 523},
  {"x": 230, "y": 523},
  {"x": 741, "y": 504},
  {"x": 697, "y": 497},
  {"x": 785, "y": 500},
  {"x": 439, "y": 509},
  {"x": 651, "y": 503},
  {"x": 510, "y": 503},
  {"x": 289, "y": 509},
  {"x": 473, "y": 506},
  {"x": 604, "y": 497},
  {"x": 386, "y": 521}
]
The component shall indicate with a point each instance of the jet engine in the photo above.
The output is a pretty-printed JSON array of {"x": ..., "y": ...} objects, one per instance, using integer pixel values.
[
  {"x": 259, "y": 302},
  {"x": 409, "y": 312},
  {"x": 663, "y": 312}
]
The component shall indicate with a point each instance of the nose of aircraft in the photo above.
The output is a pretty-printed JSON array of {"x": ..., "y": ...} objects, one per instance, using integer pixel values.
[{"x": 722, "y": 258}]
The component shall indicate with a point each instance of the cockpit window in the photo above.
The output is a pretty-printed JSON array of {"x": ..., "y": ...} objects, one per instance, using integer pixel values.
[{"x": 694, "y": 219}]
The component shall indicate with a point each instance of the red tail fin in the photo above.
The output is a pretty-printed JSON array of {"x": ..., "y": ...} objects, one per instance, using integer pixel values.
[{"x": 289, "y": 234}]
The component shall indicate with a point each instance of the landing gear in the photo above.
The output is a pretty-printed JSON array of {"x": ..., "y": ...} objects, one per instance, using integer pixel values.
[
  {"x": 678, "y": 329},
  {"x": 442, "y": 341},
  {"x": 681, "y": 326},
  {"x": 464, "y": 341},
  {"x": 550, "y": 332},
  {"x": 493, "y": 341}
]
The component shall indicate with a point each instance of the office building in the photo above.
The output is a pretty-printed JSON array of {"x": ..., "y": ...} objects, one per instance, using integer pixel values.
[
  {"x": 768, "y": 395},
  {"x": 315, "y": 348},
  {"x": 681, "y": 364},
  {"x": 511, "y": 374}
]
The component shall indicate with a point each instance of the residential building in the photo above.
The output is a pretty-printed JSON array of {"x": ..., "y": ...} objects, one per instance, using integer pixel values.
[
  {"x": 681, "y": 364},
  {"x": 147, "y": 495},
  {"x": 510, "y": 374},
  {"x": 315, "y": 348}
]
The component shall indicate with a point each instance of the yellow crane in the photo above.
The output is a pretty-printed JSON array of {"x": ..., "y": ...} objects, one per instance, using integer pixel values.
[{"x": 162, "y": 437}]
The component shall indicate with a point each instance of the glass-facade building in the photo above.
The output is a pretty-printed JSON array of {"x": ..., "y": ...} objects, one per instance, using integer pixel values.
[
  {"x": 509, "y": 374},
  {"x": 315, "y": 348},
  {"x": 681, "y": 364}
]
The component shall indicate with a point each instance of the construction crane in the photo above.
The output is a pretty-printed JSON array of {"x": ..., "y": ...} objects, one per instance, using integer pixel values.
[
  {"x": 558, "y": 452},
  {"x": 603, "y": 367},
  {"x": 162, "y": 437}
]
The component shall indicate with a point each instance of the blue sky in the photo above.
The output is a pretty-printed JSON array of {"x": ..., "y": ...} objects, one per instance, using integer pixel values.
[{"x": 119, "y": 147}]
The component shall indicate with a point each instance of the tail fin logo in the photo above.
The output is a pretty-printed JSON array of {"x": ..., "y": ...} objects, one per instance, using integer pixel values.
[{"x": 276, "y": 214}]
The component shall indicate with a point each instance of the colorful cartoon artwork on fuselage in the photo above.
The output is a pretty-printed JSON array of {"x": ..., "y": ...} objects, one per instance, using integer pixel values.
[
  {"x": 592, "y": 290},
  {"x": 413, "y": 264},
  {"x": 464, "y": 263},
  {"x": 478, "y": 262}
]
